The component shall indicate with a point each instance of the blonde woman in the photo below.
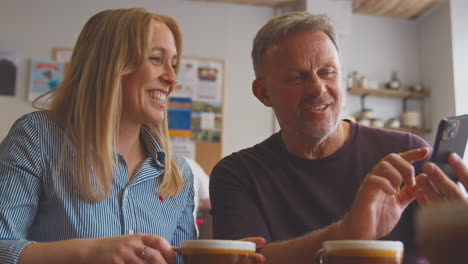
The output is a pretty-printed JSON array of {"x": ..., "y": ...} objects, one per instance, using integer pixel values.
[{"x": 90, "y": 179}]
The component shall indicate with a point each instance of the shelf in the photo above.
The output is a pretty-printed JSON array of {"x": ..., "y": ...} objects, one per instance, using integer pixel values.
[
  {"x": 399, "y": 94},
  {"x": 389, "y": 93},
  {"x": 271, "y": 3}
]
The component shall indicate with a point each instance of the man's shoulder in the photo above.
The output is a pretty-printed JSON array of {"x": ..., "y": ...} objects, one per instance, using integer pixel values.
[
  {"x": 255, "y": 153},
  {"x": 250, "y": 159},
  {"x": 388, "y": 137}
]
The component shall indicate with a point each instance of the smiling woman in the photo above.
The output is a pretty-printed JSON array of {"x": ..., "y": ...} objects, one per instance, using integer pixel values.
[
  {"x": 97, "y": 157},
  {"x": 146, "y": 89}
]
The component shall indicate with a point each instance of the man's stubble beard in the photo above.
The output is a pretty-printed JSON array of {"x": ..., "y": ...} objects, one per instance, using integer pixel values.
[{"x": 309, "y": 131}]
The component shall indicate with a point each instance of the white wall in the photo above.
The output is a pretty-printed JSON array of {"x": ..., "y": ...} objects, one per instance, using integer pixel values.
[
  {"x": 376, "y": 47},
  {"x": 459, "y": 21},
  {"x": 437, "y": 65},
  {"x": 31, "y": 28}
]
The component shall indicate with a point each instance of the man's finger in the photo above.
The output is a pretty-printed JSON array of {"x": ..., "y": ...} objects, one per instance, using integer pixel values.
[
  {"x": 404, "y": 169},
  {"x": 415, "y": 154},
  {"x": 431, "y": 193},
  {"x": 259, "y": 259},
  {"x": 259, "y": 241},
  {"x": 406, "y": 195},
  {"x": 446, "y": 186},
  {"x": 420, "y": 198},
  {"x": 460, "y": 168}
]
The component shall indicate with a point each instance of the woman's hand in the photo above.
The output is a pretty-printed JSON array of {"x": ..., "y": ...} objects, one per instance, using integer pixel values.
[
  {"x": 138, "y": 248},
  {"x": 135, "y": 249},
  {"x": 435, "y": 187}
]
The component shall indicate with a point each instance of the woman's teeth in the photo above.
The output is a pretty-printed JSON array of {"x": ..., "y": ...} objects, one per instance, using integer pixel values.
[{"x": 161, "y": 97}]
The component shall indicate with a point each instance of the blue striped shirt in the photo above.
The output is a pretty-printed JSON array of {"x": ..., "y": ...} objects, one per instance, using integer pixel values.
[{"x": 36, "y": 204}]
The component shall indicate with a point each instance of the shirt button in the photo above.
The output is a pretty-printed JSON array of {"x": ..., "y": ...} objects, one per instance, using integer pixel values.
[
  {"x": 131, "y": 232},
  {"x": 126, "y": 192}
]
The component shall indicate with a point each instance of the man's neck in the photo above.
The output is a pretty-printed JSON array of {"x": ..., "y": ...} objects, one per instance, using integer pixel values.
[{"x": 308, "y": 148}]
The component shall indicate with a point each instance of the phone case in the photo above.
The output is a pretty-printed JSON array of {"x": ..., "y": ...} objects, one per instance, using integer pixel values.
[{"x": 452, "y": 135}]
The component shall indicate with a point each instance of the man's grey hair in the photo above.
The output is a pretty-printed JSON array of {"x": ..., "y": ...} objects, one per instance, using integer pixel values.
[{"x": 286, "y": 24}]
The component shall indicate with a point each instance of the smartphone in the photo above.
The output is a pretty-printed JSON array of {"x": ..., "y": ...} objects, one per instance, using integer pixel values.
[{"x": 451, "y": 136}]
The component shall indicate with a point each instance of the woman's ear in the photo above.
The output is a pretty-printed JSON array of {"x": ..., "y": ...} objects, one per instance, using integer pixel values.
[{"x": 261, "y": 92}]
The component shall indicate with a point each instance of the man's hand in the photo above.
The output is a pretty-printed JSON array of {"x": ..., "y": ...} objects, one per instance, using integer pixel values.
[
  {"x": 435, "y": 187},
  {"x": 259, "y": 243},
  {"x": 380, "y": 200}
]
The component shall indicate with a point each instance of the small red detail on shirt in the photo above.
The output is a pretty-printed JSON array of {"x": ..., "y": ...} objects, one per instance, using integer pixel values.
[{"x": 161, "y": 198}]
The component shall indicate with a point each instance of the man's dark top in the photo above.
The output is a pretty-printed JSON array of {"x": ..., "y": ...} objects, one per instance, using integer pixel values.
[{"x": 266, "y": 191}]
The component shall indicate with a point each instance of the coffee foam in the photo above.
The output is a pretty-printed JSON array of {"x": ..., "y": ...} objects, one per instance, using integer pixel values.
[
  {"x": 219, "y": 244},
  {"x": 363, "y": 245}
]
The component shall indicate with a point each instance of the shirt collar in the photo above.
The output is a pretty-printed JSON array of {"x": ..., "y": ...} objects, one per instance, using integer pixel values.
[{"x": 152, "y": 146}]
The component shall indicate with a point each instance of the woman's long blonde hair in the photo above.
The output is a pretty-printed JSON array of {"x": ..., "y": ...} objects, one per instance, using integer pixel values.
[{"x": 113, "y": 43}]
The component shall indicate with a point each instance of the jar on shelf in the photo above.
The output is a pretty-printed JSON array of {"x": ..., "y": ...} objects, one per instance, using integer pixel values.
[
  {"x": 350, "y": 81},
  {"x": 395, "y": 82},
  {"x": 411, "y": 119}
]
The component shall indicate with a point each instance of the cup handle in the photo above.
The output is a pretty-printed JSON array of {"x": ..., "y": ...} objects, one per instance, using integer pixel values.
[
  {"x": 319, "y": 257},
  {"x": 177, "y": 250}
]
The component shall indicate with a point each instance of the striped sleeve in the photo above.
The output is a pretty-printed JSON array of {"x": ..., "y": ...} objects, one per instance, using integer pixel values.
[
  {"x": 186, "y": 226},
  {"x": 20, "y": 157}
]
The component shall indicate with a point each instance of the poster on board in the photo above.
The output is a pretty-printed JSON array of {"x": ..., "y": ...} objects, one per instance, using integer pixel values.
[
  {"x": 206, "y": 121},
  {"x": 179, "y": 117},
  {"x": 202, "y": 80},
  {"x": 183, "y": 146}
]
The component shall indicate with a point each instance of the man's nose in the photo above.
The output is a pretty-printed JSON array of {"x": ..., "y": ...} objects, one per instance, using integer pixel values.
[{"x": 315, "y": 86}]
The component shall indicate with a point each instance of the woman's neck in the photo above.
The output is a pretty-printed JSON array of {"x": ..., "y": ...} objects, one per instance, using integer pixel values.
[{"x": 130, "y": 146}]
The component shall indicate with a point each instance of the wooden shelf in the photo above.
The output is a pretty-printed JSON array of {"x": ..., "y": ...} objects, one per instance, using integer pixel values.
[
  {"x": 399, "y": 94},
  {"x": 417, "y": 131},
  {"x": 389, "y": 93},
  {"x": 271, "y": 3}
]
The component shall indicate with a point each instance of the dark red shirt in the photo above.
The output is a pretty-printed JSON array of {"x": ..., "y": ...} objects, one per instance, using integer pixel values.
[{"x": 266, "y": 191}]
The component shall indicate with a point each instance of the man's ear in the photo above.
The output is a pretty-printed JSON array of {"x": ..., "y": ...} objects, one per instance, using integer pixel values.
[{"x": 260, "y": 91}]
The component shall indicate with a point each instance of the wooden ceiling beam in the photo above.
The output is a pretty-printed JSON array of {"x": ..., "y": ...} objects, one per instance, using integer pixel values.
[
  {"x": 393, "y": 8},
  {"x": 271, "y": 3}
]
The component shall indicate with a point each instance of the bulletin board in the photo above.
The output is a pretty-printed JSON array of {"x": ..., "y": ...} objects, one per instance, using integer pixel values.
[{"x": 195, "y": 113}]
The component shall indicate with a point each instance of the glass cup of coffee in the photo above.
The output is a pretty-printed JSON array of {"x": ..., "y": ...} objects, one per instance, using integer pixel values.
[
  {"x": 360, "y": 251},
  {"x": 442, "y": 233},
  {"x": 206, "y": 251}
]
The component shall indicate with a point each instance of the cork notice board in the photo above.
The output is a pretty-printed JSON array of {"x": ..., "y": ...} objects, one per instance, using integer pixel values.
[{"x": 195, "y": 113}]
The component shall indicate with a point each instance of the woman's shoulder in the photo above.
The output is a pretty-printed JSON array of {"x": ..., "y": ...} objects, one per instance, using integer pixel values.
[
  {"x": 183, "y": 166},
  {"x": 39, "y": 118},
  {"x": 33, "y": 121}
]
